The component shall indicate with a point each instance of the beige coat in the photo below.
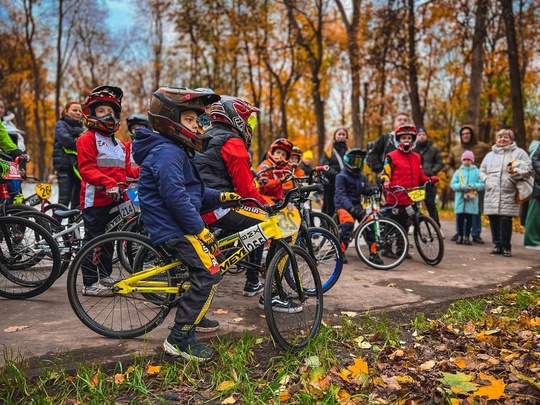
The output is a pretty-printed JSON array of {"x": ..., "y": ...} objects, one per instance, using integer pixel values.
[{"x": 501, "y": 185}]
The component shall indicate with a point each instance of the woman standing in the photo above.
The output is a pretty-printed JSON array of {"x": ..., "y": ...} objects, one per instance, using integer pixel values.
[
  {"x": 501, "y": 188},
  {"x": 333, "y": 157},
  {"x": 66, "y": 133},
  {"x": 532, "y": 223}
]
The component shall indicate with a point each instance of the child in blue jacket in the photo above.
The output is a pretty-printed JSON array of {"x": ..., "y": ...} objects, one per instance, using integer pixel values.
[
  {"x": 466, "y": 185},
  {"x": 351, "y": 184}
]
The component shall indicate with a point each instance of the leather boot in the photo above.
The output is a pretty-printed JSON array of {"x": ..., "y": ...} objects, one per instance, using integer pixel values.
[{"x": 459, "y": 240}]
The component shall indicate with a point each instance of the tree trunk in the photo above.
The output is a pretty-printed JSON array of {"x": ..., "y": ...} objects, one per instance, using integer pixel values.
[
  {"x": 477, "y": 65},
  {"x": 515, "y": 76},
  {"x": 417, "y": 113}
]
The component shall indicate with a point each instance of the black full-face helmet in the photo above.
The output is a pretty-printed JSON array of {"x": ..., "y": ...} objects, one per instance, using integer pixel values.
[
  {"x": 235, "y": 113},
  {"x": 354, "y": 160},
  {"x": 167, "y": 105}
]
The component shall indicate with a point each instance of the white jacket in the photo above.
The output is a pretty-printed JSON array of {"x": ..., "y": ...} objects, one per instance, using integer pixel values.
[{"x": 501, "y": 185}]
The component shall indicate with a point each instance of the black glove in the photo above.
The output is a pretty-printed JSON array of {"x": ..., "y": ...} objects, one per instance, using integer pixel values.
[{"x": 357, "y": 212}]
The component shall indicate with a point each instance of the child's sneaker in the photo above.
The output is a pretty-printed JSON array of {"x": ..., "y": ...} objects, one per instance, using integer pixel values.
[
  {"x": 97, "y": 290},
  {"x": 279, "y": 305},
  {"x": 375, "y": 259},
  {"x": 185, "y": 344},
  {"x": 251, "y": 289}
]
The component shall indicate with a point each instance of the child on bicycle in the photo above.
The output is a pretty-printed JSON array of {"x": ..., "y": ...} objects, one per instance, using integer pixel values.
[
  {"x": 294, "y": 166},
  {"x": 171, "y": 195},
  {"x": 103, "y": 163},
  {"x": 403, "y": 167},
  {"x": 466, "y": 185},
  {"x": 272, "y": 169},
  {"x": 351, "y": 184}
]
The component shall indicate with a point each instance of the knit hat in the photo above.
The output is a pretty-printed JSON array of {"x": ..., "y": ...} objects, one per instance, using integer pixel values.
[
  {"x": 467, "y": 155},
  {"x": 307, "y": 155},
  {"x": 421, "y": 130}
]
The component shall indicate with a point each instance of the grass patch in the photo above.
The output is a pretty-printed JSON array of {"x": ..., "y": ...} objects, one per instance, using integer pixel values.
[{"x": 362, "y": 359}]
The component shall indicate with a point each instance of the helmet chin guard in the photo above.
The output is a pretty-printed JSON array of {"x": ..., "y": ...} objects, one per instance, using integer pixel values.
[{"x": 405, "y": 147}]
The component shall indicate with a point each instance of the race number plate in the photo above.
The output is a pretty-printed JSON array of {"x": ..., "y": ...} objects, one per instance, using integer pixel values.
[
  {"x": 289, "y": 221},
  {"x": 417, "y": 195},
  {"x": 252, "y": 238},
  {"x": 43, "y": 190},
  {"x": 126, "y": 209}
]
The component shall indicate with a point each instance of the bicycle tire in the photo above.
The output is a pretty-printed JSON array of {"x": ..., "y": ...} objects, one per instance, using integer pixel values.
[
  {"x": 428, "y": 240},
  {"x": 328, "y": 256},
  {"x": 37, "y": 276},
  {"x": 323, "y": 220},
  {"x": 292, "y": 331},
  {"x": 120, "y": 316},
  {"x": 390, "y": 243}
]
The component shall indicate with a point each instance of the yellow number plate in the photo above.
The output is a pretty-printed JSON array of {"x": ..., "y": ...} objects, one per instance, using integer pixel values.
[
  {"x": 417, "y": 195},
  {"x": 43, "y": 190},
  {"x": 289, "y": 221}
]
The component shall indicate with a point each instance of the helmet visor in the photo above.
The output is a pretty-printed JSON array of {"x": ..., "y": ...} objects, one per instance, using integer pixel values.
[{"x": 356, "y": 161}]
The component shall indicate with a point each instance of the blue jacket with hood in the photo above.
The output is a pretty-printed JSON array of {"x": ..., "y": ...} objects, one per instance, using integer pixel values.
[{"x": 171, "y": 192}]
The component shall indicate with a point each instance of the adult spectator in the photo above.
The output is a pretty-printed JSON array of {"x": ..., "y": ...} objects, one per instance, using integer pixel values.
[
  {"x": 333, "y": 157},
  {"x": 501, "y": 188},
  {"x": 432, "y": 164},
  {"x": 383, "y": 145},
  {"x": 66, "y": 132},
  {"x": 469, "y": 141},
  {"x": 532, "y": 224}
]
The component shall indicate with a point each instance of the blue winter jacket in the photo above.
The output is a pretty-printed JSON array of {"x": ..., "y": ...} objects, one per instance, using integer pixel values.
[
  {"x": 171, "y": 192},
  {"x": 349, "y": 188},
  {"x": 470, "y": 177}
]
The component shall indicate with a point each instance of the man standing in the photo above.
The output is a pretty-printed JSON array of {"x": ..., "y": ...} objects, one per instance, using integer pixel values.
[
  {"x": 432, "y": 164},
  {"x": 468, "y": 141}
]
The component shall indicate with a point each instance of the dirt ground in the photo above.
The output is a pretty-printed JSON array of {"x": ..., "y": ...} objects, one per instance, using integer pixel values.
[{"x": 53, "y": 328}]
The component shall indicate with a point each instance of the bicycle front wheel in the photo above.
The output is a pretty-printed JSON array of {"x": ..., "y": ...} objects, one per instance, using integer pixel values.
[
  {"x": 322, "y": 220},
  {"x": 429, "y": 241},
  {"x": 107, "y": 310},
  {"x": 293, "y": 316},
  {"x": 29, "y": 258},
  {"x": 381, "y": 243},
  {"x": 328, "y": 256}
]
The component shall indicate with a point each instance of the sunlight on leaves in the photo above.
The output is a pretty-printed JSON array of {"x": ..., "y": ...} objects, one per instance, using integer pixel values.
[
  {"x": 225, "y": 385},
  {"x": 359, "y": 367}
]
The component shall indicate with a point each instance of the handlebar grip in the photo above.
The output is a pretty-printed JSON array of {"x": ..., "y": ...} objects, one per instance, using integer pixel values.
[
  {"x": 323, "y": 168},
  {"x": 309, "y": 188}
]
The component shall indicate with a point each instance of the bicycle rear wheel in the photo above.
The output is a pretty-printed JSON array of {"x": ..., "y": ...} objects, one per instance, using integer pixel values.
[
  {"x": 114, "y": 314},
  {"x": 300, "y": 314},
  {"x": 328, "y": 257},
  {"x": 381, "y": 243},
  {"x": 29, "y": 258},
  {"x": 428, "y": 240}
]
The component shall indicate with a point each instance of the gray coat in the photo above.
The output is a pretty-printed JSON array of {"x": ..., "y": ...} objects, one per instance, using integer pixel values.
[{"x": 500, "y": 184}]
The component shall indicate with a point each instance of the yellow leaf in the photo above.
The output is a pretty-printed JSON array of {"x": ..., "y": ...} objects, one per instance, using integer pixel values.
[
  {"x": 344, "y": 374},
  {"x": 234, "y": 375},
  {"x": 229, "y": 400},
  {"x": 119, "y": 378},
  {"x": 220, "y": 311},
  {"x": 153, "y": 369},
  {"x": 359, "y": 366},
  {"x": 461, "y": 363},
  {"x": 284, "y": 396},
  {"x": 349, "y": 314},
  {"x": 405, "y": 379},
  {"x": 94, "y": 381},
  {"x": 238, "y": 319},
  {"x": 493, "y": 391},
  {"x": 225, "y": 385},
  {"x": 342, "y": 395},
  {"x": 71, "y": 378},
  {"x": 454, "y": 401},
  {"x": 12, "y": 329},
  {"x": 391, "y": 285}
]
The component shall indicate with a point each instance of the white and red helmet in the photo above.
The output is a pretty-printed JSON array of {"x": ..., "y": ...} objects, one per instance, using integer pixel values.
[
  {"x": 235, "y": 113},
  {"x": 405, "y": 130}
]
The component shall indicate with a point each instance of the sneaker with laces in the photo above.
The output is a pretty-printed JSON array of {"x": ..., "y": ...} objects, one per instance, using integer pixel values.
[
  {"x": 107, "y": 281},
  {"x": 280, "y": 305},
  {"x": 97, "y": 290},
  {"x": 251, "y": 289},
  {"x": 185, "y": 344},
  {"x": 207, "y": 325}
]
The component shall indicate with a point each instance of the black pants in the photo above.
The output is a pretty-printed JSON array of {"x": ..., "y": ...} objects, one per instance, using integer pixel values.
[
  {"x": 204, "y": 279},
  {"x": 99, "y": 263},
  {"x": 464, "y": 222},
  {"x": 69, "y": 189},
  {"x": 399, "y": 215},
  {"x": 431, "y": 194},
  {"x": 236, "y": 222},
  {"x": 501, "y": 230},
  {"x": 328, "y": 200}
]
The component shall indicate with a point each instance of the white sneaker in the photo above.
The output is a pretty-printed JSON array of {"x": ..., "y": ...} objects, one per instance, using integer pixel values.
[
  {"x": 107, "y": 281},
  {"x": 97, "y": 290}
]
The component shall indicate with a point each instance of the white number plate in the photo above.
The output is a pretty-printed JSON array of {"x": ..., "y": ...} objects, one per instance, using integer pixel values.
[{"x": 126, "y": 209}]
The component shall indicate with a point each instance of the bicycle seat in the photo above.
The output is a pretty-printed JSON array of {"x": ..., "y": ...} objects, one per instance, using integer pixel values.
[{"x": 66, "y": 213}]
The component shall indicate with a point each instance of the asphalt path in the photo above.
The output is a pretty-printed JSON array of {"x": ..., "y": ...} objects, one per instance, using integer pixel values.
[{"x": 51, "y": 327}]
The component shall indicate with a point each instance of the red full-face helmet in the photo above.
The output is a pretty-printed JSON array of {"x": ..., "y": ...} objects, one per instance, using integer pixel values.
[{"x": 103, "y": 95}]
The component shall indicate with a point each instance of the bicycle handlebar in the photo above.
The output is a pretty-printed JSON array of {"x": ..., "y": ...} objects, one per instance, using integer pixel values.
[{"x": 295, "y": 192}]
